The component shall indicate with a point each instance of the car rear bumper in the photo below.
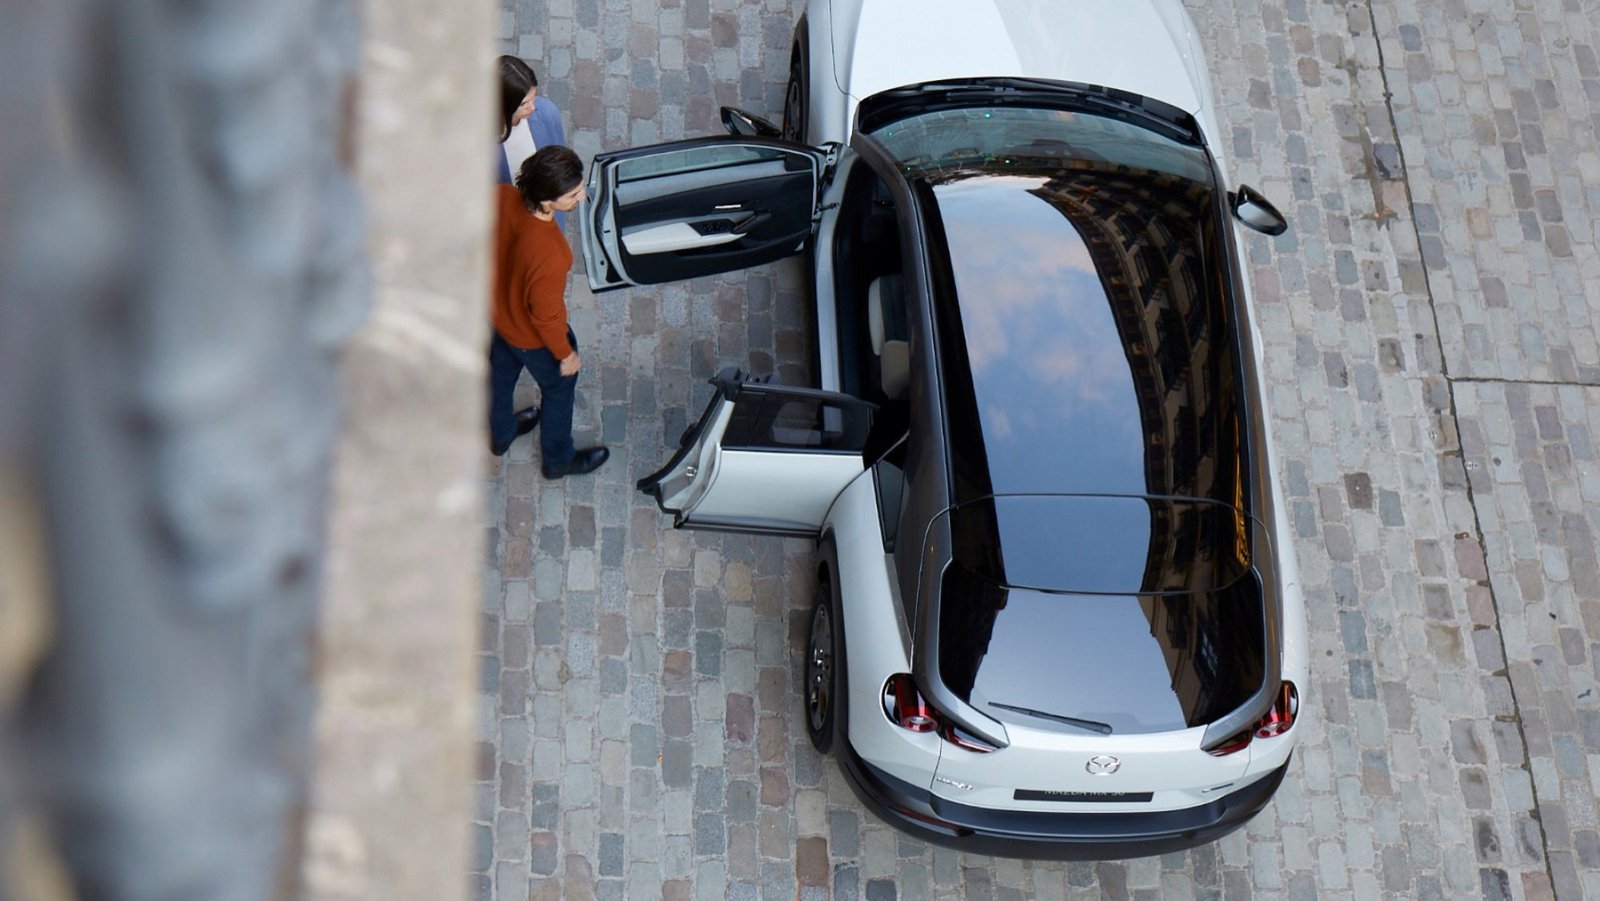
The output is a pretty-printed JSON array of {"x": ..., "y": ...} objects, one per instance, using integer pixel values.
[{"x": 1043, "y": 834}]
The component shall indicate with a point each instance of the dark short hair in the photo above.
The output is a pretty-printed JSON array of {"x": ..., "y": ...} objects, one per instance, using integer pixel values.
[
  {"x": 516, "y": 78},
  {"x": 549, "y": 173}
]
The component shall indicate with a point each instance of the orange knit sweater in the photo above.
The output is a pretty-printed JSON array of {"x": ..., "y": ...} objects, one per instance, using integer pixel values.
[{"x": 532, "y": 258}]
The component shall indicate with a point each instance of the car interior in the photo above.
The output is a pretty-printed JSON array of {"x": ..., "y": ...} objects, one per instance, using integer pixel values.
[
  {"x": 875, "y": 359},
  {"x": 688, "y": 213},
  {"x": 874, "y": 332}
]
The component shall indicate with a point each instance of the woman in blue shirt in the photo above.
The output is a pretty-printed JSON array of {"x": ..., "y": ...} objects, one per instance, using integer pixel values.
[{"x": 527, "y": 120}]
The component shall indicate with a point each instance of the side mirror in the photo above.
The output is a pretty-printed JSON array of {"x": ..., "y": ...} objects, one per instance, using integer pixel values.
[
  {"x": 739, "y": 122},
  {"x": 1257, "y": 212}
]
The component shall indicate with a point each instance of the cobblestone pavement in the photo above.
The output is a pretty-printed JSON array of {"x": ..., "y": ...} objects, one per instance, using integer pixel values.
[{"x": 1430, "y": 326}]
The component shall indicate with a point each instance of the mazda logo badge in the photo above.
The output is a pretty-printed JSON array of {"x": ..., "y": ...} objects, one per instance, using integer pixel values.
[{"x": 1102, "y": 765}]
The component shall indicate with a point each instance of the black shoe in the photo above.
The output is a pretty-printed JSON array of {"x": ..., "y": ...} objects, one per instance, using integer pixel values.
[
  {"x": 526, "y": 419},
  {"x": 586, "y": 460}
]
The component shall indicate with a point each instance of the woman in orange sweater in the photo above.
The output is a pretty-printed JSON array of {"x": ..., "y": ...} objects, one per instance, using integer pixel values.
[{"x": 529, "y": 311}]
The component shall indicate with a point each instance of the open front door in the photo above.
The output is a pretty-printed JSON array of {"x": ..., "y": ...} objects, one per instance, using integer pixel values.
[
  {"x": 763, "y": 458},
  {"x": 678, "y": 211}
]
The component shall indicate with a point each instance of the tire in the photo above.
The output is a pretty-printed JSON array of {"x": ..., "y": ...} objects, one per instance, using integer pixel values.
[
  {"x": 794, "y": 95},
  {"x": 824, "y": 654}
]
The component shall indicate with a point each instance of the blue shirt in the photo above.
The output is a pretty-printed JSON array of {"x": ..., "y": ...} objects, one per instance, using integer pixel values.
[{"x": 545, "y": 126}]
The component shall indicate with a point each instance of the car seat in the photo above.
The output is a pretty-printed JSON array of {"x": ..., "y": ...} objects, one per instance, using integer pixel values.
[{"x": 886, "y": 327}]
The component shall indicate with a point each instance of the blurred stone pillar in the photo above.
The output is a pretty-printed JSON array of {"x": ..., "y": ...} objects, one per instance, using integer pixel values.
[
  {"x": 180, "y": 259},
  {"x": 185, "y": 314},
  {"x": 398, "y": 639}
]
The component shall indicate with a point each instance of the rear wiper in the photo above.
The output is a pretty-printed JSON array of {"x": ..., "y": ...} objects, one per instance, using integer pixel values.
[{"x": 1091, "y": 725}]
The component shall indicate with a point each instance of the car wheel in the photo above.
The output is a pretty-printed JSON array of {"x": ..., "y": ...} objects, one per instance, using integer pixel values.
[
  {"x": 794, "y": 97},
  {"x": 822, "y": 670}
]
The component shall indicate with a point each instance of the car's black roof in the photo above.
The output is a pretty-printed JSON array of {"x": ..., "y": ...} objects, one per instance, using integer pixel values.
[{"x": 1088, "y": 344}]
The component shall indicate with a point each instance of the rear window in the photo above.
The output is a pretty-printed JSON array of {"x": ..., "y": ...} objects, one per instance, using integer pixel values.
[{"x": 1135, "y": 663}]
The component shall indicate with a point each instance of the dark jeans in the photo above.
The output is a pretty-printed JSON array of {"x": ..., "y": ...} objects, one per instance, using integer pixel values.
[{"x": 506, "y": 363}]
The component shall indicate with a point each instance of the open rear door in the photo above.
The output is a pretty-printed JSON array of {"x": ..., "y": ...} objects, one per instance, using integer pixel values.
[
  {"x": 670, "y": 212},
  {"x": 763, "y": 458}
]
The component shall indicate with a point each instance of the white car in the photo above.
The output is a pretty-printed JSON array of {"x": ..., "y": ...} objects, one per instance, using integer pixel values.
[{"x": 1057, "y": 612}]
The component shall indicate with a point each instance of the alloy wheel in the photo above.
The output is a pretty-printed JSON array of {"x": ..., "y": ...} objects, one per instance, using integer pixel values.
[
  {"x": 793, "y": 104},
  {"x": 819, "y": 670}
]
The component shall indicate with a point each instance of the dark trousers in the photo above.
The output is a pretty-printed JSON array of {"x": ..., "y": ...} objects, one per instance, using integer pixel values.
[{"x": 506, "y": 363}]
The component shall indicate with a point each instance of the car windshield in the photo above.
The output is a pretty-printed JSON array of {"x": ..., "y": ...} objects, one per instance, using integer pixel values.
[
  {"x": 945, "y": 142},
  {"x": 1083, "y": 302}
]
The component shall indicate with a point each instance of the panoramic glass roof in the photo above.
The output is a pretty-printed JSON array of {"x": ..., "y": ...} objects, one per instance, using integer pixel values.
[{"x": 1086, "y": 325}]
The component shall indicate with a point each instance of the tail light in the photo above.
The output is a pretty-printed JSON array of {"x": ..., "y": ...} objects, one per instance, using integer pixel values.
[
  {"x": 1283, "y": 713},
  {"x": 1233, "y": 745},
  {"x": 1278, "y": 720},
  {"x": 961, "y": 738},
  {"x": 907, "y": 708}
]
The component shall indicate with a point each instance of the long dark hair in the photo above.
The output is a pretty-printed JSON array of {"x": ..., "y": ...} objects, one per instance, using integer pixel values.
[{"x": 516, "y": 78}]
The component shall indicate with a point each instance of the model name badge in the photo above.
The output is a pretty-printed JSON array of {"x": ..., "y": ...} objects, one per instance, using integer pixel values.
[
  {"x": 1028, "y": 794},
  {"x": 952, "y": 782}
]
